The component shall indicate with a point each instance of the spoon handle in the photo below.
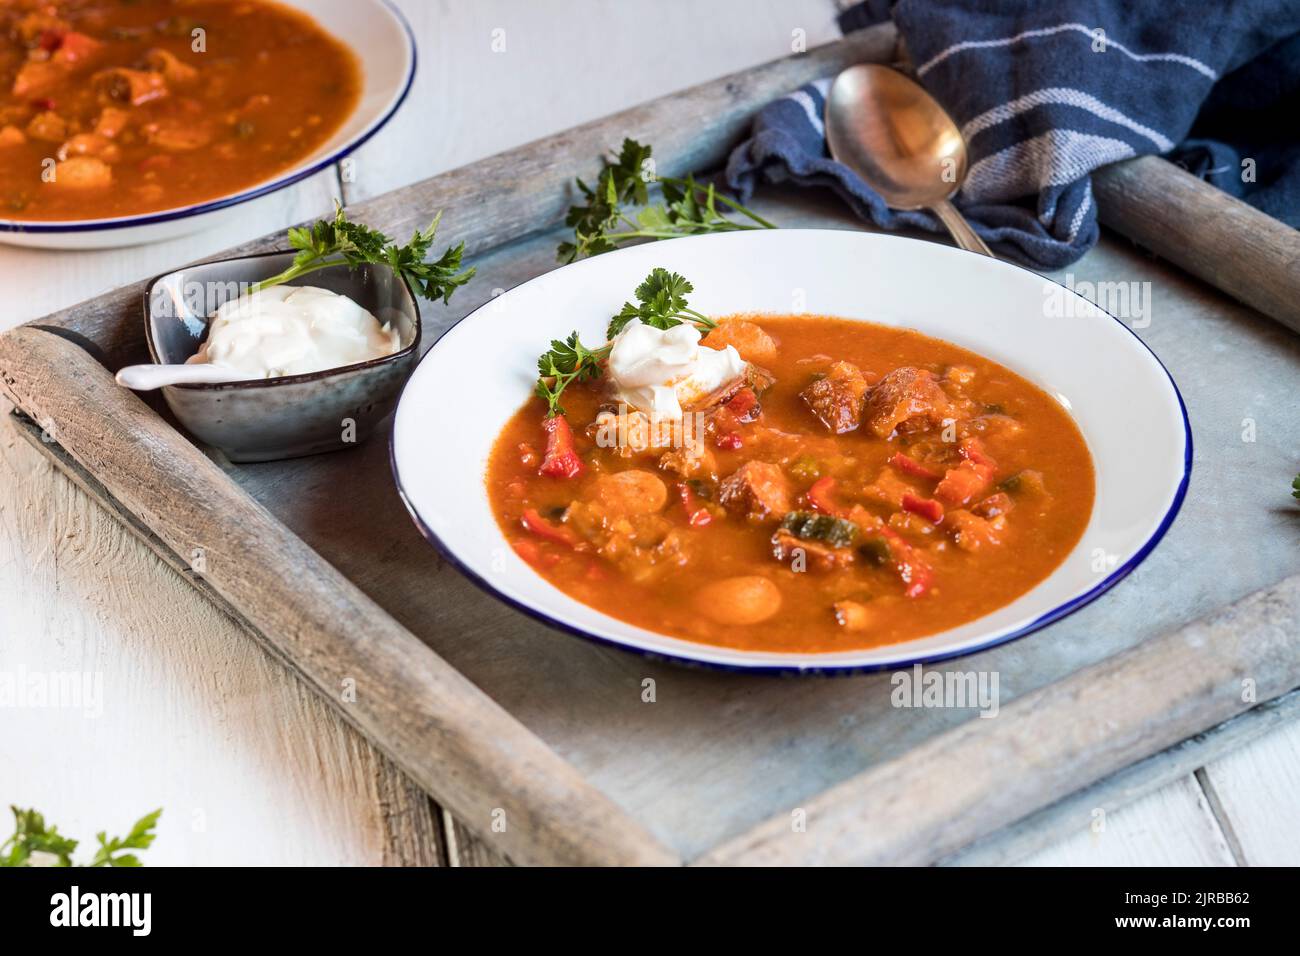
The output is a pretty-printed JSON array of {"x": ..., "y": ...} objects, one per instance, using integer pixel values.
[
  {"x": 143, "y": 378},
  {"x": 961, "y": 231}
]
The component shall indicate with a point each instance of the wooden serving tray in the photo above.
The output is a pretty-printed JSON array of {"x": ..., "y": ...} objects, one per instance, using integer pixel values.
[{"x": 543, "y": 745}]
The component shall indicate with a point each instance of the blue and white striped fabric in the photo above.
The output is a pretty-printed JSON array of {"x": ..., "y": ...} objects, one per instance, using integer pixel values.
[{"x": 1047, "y": 91}]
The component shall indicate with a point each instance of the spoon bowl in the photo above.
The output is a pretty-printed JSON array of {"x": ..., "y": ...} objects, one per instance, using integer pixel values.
[{"x": 898, "y": 139}]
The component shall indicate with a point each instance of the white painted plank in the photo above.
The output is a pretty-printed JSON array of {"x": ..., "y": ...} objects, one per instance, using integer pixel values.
[
  {"x": 558, "y": 63},
  {"x": 1171, "y": 827},
  {"x": 191, "y": 715},
  {"x": 1258, "y": 789}
]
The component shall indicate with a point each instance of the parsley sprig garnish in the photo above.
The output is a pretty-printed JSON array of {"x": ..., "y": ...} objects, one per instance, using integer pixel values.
[
  {"x": 662, "y": 298},
  {"x": 1296, "y": 485},
  {"x": 688, "y": 207},
  {"x": 32, "y": 835},
  {"x": 340, "y": 242},
  {"x": 567, "y": 362}
]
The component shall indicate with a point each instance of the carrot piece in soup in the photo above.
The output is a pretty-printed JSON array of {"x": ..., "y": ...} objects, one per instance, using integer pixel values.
[
  {"x": 76, "y": 47},
  {"x": 971, "y": 532},
  {"x": 749, "y": 339},
  {"x": 35, "y": 76},
  {"x": 969, "y": 479}
]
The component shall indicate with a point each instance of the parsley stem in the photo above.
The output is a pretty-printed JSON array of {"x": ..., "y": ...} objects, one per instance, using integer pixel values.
[
  {"x": 663, "y": 234},
  {"x": 296, "y": 272},
  {"x": 690, "y": 184},
  {"x": 698, "y": 317}
]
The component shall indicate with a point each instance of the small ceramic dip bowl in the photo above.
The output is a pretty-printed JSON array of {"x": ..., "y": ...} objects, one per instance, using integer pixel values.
[{"x": 271, "y": 418}]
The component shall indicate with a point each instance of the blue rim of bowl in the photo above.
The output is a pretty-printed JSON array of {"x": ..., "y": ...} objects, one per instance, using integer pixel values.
[
  {"x": 275, "y": 185},
  {"x": 1057, "y": 613}
]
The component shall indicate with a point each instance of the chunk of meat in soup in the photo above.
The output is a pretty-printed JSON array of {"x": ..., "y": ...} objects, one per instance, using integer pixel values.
[
  {"x": 758, "y": 490},
  {"x": 836, "y": 398},
  {"x": 907, "y": 399}
]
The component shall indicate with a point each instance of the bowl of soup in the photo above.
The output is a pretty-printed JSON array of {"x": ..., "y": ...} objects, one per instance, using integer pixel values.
[
  {"x": 872, "y": 451},
  {"x": 126, "y": 121}
]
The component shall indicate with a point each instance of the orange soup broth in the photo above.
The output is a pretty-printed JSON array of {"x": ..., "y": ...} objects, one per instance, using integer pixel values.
[{"x": 1040, "y": 533}]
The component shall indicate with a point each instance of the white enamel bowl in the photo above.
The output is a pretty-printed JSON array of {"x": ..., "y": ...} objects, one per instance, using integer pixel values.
[
  {"x": 385, "y": 49},
  {"x": 1127, "y": 406}
]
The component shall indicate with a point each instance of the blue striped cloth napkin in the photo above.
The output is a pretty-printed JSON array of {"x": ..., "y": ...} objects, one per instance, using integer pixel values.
[{"x": 1047, "y": 91}]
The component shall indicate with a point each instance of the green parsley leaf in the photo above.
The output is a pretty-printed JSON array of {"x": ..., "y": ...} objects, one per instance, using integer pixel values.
[
  {"x": 662, "y": 298},
  {"x": 688, "y": 208},
  {"x": 566, "y": 362},
  {"x": 662, "y": 304},
  {"x": 339, "y": 242},
  {"x": 32, "y": 835},
  {"x": 141, "y": 837}
]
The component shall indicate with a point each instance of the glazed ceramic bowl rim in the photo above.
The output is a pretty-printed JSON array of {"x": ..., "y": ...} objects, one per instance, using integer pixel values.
[
  {"x": 1044, "y": 604},
  {"x": 406, "y": 350},
  {"x": 294, "y": 174}
]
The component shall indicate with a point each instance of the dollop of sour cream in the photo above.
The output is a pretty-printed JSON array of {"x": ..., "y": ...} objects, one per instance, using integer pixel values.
[
  {"x": 293, "y": 330},
  {"x": 657, "y": 371}
]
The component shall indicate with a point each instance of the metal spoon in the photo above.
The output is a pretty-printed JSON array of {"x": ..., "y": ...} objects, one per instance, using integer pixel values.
[
  {"x": 892, "y": 133},
  {"x": 144, "y": 378}
]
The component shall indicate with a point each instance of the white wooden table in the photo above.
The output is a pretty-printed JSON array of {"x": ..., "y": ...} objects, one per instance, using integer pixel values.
[{"x": 249, "y": 766}]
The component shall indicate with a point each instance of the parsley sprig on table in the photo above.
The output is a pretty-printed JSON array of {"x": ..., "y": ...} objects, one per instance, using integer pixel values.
[
  {"x": 340, "y": 242},
  {"x": 1296, "y": 485},
  {"x": 688, "y": 207},
  {"x": 32, "y": 835},
  {"x": 662, "y": 304}
]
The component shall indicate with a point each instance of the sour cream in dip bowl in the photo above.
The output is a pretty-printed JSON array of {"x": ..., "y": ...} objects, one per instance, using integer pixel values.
[
  {"x": 293, "y": 330},
  {"x": 320, "y": 366}
]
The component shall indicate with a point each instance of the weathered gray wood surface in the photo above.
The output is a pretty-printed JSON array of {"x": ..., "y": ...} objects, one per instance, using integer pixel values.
[
  {"x": 1078, "y": 813},
  {"x": 716, "y": 750},
  {"x": 993, "y": 771},
  {"x": 1233, "y": 246},
  {"x": 717, "y": 753}
]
